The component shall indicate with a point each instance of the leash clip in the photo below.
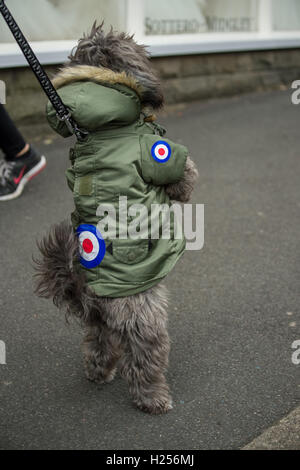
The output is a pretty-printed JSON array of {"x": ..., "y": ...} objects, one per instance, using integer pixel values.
[{"x": 72, "y": 126}]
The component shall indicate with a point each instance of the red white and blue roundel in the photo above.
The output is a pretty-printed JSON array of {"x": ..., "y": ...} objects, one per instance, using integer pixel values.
[
  {"x": 91, "y": 245},
  {"x": 161, "y": 151}
]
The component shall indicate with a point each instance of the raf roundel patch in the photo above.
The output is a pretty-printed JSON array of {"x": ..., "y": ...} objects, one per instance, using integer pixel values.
[
  {"x": 161, "y": 151},
  {"x": 92, "y": 245}
]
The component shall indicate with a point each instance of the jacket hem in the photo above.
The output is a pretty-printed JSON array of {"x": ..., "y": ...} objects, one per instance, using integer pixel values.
[{"x": 111, "y": 289}]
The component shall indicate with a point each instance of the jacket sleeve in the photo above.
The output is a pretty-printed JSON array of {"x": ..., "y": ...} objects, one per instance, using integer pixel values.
[{"x": 163, "y": 161}]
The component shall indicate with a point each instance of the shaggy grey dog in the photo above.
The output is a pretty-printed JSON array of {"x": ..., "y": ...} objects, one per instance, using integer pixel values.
[{"x": 128, "y": 333}]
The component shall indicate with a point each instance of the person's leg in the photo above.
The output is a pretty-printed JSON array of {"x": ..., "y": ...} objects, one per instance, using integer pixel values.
[
  {"x": 12, "y": 142},
  {"x": 21, "y": 162}
]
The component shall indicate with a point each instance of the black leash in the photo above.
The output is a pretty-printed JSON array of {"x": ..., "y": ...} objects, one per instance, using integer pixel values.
[{"x": 62, "y": 111}]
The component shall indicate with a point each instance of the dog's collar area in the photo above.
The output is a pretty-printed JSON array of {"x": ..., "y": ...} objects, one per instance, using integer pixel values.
[{"x": 148, "y": 117}]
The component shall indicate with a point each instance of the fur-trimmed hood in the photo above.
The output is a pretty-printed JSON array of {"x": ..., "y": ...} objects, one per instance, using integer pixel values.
[
  {"x": 70, "y": 75},
  {"x": 79, "y": 73},
  {"x": 97, "y": 99}
]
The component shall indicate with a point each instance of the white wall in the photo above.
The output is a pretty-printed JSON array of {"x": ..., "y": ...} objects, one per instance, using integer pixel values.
[{"x": 64, "y": 19}]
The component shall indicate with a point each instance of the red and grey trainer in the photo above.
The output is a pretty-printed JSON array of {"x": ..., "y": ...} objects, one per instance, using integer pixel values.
[{"x": 15, "y": 174}]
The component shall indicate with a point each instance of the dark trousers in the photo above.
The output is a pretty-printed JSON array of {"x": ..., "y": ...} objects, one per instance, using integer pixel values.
[{"x": 11, "y": 141}]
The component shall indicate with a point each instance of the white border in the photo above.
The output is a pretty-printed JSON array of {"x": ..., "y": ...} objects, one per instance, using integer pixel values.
[
  {"x": 48, "y": 52},
  {"x": 226, "y": 42},
  {"x": 56, "y": 52}
]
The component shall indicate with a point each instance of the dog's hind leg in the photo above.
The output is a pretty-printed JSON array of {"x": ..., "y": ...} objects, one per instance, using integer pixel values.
[
  {"x": 146, "y": 357},
  {"x": 101, "y": 350}
]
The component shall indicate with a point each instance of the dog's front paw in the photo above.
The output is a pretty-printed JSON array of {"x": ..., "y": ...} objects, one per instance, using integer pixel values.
[
  {"x": 155, "y": 406},
  {"x": 95, "y": 374}
]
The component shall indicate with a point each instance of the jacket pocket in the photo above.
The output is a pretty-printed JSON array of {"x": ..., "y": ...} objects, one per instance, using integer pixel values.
[{"x": 130, "y": 251}]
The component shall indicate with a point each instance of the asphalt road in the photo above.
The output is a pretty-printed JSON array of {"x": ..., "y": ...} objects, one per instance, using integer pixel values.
[{"x": 234, "y": 309}]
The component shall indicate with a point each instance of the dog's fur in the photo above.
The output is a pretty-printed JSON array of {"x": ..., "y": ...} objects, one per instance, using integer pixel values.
[{"x": 128, "y": 332}]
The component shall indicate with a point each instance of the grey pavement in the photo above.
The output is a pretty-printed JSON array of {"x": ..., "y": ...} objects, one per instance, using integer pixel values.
[
  {"x": 234, "y": 310},
  {"x": 284, "y": 435}
]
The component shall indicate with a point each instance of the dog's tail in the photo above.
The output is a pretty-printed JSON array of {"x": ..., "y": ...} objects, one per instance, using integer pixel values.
[{"x": 58, "y": 274}]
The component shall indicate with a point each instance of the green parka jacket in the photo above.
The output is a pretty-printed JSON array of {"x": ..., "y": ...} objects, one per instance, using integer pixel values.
[{"x": 121, "y": 157}]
